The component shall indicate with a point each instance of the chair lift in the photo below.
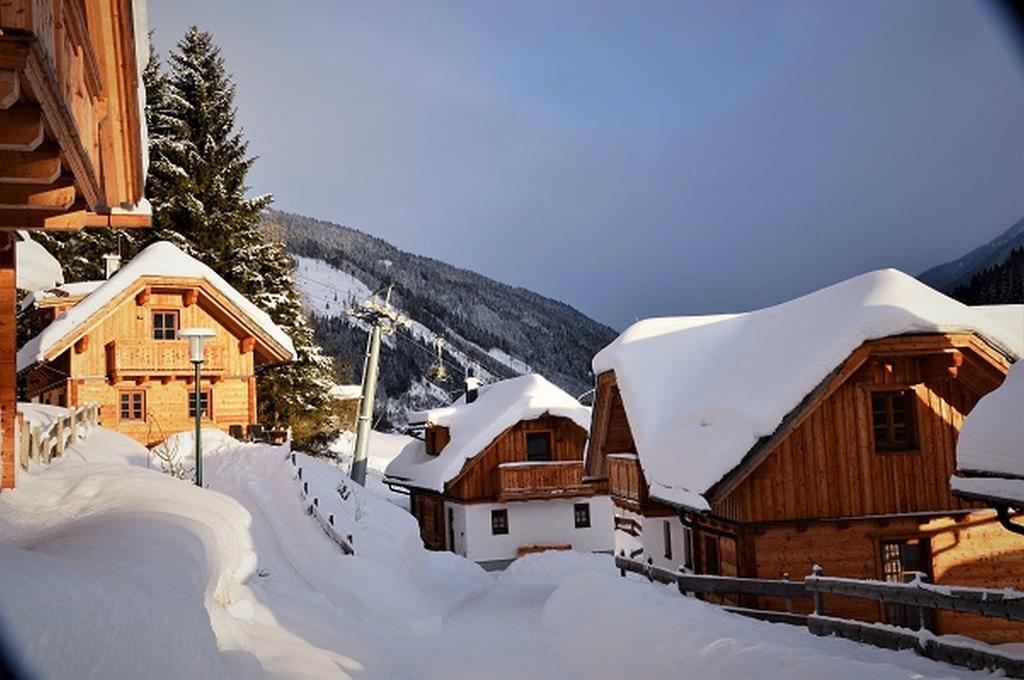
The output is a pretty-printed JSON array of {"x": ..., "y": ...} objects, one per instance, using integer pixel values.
[{"x": 438, "y": 372}]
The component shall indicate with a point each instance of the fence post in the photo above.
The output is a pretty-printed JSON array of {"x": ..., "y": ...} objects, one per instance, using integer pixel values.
[
  {"x": 650, "y": 568},
  {"x": 34, "y": 451},
  {"x": 789, "y": 600},
  {"x": 622, "y": 570},
  {"x": 819, "y": 599},
  {"x": 60, "y": 437},
  {"x": 24, "y": 440},
  {"x": 922, "y": 612}
]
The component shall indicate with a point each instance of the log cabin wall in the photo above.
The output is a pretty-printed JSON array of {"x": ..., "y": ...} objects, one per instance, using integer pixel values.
[
  {"x": 428, "y": 509},
  {"x": 969, "y": 549},
  {"x": 228, "y": 373},
  {"x": 828, "y": 466},
  {"x": 478, "y": 480},
  {"x": 609, "y": 428}
]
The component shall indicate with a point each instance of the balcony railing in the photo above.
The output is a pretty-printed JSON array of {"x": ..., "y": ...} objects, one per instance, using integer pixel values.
[
  {"x": 531, "y": 481},
  {"x": 161, "y": 357}
]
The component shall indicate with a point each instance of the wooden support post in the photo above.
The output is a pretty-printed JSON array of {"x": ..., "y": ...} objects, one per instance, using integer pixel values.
[
  {"x": 24, "y": 441},
  {"x": 8, "y": 352},
  {"x": 789, "y": 600},
  {"x": 74, "y": 425},
  {"x": 35, "y": 448},
  {"x": 60, "y": 438}
]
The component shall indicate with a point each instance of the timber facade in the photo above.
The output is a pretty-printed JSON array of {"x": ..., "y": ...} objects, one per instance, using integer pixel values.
[
  {"x": 523, "y": 492},
  {"x": 856, "y": 479},
  {"x": 72, "y": 139},
  {"x": 130, "y": 360}
]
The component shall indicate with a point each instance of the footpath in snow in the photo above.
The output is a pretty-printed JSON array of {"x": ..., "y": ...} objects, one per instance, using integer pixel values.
[{"x": 113, "y": 570}]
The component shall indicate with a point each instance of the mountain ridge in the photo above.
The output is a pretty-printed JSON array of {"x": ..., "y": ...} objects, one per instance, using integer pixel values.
[{"x": 957, "y": 273}]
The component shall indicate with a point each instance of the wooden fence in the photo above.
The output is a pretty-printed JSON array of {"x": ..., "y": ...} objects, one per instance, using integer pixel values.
[
  {"x": 43, "y": 444},
  {"x": 313, "y": 508},
  {"x": 1004, "y": 603}
]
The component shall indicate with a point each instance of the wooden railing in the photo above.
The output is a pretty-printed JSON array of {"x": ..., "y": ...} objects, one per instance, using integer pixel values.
[
  {"x": 996, "y": 603},
  {"x": 549, "y": 479},
  {"x": 42, "y": 445},
  {"x": 312, "y": 505},
  {"x": 160, "y": 357}
]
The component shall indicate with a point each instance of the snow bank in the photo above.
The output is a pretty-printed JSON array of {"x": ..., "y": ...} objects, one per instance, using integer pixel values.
[
  {"x": 700, "y": 391},
  {"x": 35, "y": 266},
  {"x": 472, "y": 427},
  {"x": 42, "y": 415},
  {"x": 111, "y": 570},
  {"x": 160, "y": 259},
  {"x": 992, "y": 437}
]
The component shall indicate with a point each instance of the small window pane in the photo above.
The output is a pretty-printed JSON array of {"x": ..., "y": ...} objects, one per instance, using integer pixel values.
[
  {"x": 538, "y": 446},
  {"x": 581, "y": 513},
  {"x": 205, "y": 397},
  {"x": 132, "y": 405},
  {"x": 499, "y": 522},
  {"x": 165, "y": 325}
]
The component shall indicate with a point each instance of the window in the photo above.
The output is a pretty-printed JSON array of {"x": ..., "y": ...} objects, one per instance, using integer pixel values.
[
  {"x": 666, "y": 530},
  {"x": 165, "y": 325},
  {"x": 901, "y": 562},
  {"x": 892, "y": 415},
  {"x": 538, "y": 446},
  {"x": 205, "y": 403},
  {"x": 133, "y": 405},
  {"x": 581, "y": 514},
  {"x": 688, "y": 548},
  {"x": 499, "y": 522},
  {"x": 712, "y": 564}
]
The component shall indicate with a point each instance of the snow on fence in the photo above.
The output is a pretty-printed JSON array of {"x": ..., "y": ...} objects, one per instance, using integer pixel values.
[
  {"x": 313, "y": 508},
  {"x": 45, "y": 432},
  {"x": 996, "y": 603}
]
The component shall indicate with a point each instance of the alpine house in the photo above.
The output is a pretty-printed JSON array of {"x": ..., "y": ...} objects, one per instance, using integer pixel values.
[
  {"x": 499, "y": 473},
  {"x": 117, "y": 343},
  {"x": 818, "y": 431}
]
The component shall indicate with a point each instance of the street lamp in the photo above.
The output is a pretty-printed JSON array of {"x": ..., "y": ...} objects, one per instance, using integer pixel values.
[{"x": 195, "y": 337}]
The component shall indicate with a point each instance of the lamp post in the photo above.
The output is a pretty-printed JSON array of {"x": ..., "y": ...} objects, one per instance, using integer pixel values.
[{"x": 196, "y": 337}]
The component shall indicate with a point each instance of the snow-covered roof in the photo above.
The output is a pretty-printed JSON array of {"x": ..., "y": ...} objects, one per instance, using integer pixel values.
[
  {"x": 75, "y": 290},
  {"x": 161, "y": 259},
  {"x": 991, "y": 441},
  {"x": 473, "y": 426},
  {"x": 1010, "y": 316},
  {"x": 700, "y": 391},
  {"x": 36, "y": 267}
]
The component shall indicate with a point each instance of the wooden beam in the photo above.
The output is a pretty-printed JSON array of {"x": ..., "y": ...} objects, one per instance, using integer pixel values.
[
  {"x": 247, "y": 344},
  {"x": 21, "y": 128},
  {"x": 10, "y": 90},
  {"x": 143, "y": 296},
  {"x": 82, "y": 344},
  {"x": 190, "y": 297},
  {"x": 41, "y": 166},
  {"x": 73, "y": 220},
  {"x": 59, "y": 196}
]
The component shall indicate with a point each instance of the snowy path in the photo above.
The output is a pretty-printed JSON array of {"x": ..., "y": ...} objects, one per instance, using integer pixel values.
[{"x": 114, "y": 571}]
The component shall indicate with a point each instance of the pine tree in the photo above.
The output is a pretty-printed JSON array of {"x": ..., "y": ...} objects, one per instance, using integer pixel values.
[{"x": 196, "y": 184}]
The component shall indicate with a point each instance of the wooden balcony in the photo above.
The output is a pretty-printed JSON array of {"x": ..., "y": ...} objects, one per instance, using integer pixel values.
[
  {"x": 626, "y": 479},
  {"x": 133, "y": 358},
  {"x": 534, "y": 481}
]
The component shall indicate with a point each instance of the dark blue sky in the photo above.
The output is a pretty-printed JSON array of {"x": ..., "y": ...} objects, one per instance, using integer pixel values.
[{"x": 635, "y": 159}]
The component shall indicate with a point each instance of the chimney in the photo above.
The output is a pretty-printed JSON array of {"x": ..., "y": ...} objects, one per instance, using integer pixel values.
[
  {"x": 111, "y": 263},
  {"x": 472, "y": 386}
]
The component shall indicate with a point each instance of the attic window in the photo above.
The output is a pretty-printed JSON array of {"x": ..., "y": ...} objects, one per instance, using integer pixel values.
[
  {"x": 165, "y": 325},
  {"x": 538, "y": 446},
  {"x": 892, "y": 415}
]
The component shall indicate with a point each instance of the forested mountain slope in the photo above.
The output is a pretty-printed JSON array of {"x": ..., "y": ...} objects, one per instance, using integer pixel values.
[{"x": 504, "y": 330}]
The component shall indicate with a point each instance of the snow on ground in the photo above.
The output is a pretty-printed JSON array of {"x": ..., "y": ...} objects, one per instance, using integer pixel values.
[{"x": 111, "y": 570}]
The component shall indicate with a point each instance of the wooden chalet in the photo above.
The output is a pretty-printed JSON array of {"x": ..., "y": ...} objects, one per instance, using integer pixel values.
[
  {"x": 500, "y": 473},
  {"x": 116, "y": 343},
  {"x": 725, "y": 454},
  {"x": 72, "y": 139}
]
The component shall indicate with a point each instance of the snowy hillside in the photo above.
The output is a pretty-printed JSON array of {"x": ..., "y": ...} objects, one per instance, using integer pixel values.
[
  {"x": 501, "y": 330},
  {"x": 111, "y": 570}
]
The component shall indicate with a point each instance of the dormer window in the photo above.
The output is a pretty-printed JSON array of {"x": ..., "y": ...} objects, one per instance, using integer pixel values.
[
  {"x": 165, "y": 325},
  {"x": 538, "y": 446},
  {"x": 892, "y": 414}
]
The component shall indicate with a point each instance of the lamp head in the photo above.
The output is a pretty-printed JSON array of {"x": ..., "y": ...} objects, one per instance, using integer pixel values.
[{"x": 195, "y": 337}]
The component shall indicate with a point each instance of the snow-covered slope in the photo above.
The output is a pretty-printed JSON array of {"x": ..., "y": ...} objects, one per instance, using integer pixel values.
[
  {"x": 501, "y": 330},
  {"x": 111, "y": 570}
]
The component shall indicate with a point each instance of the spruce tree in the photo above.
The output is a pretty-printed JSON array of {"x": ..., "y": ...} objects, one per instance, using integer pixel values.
[{"x": 198, "y": 163}]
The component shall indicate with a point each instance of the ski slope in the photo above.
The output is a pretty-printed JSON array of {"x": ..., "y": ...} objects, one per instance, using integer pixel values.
[{"x": 112, "y": 570}]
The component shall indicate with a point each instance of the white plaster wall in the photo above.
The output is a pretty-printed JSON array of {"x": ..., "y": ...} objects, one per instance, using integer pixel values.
[
  {"x": 653, "y": 535},
  {"x": 531, "y": 523},
  {"x": 456, "y": 513}
]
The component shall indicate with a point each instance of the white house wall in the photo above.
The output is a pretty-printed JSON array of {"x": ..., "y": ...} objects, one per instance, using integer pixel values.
[
  {"x": 652, "y": 540},
  {"x": 550, "y": 522}
]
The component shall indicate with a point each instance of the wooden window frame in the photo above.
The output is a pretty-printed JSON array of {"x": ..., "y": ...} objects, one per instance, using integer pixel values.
[
  {"x": 550, "y": 435},
  {"x": 499, "y": 528},
  {"x": 177, "y": 324},
  {"x": 121, "y": 394},
  {"x": 891, "y": 445},
  {"x": 687, "y": 548},
  {"x": 712, "y": 548},
  {"x": 190, "y": 401},
  {"x": 581, "y": 511},
  {"x": 666, "y": 538}
]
